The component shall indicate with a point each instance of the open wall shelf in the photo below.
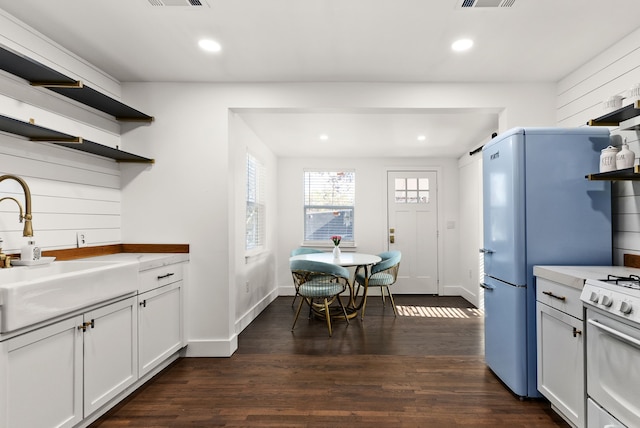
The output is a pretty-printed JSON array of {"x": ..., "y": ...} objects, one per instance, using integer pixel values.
[
  {"x": 627, "y": 118},
  {"x": 40, "y": 75},
  {"x": 615, "y": 118},
  {"x": 629, "y": 174},
  {"x": 38, "y": 133}
]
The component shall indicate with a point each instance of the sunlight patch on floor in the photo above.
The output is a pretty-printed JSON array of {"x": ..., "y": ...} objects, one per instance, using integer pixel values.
[{"x": 438, "y": 312}]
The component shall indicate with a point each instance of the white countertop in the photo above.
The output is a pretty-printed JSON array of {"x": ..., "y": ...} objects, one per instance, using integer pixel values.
[
  {"x": 146, "y": 261},
  {"x": 575, "y": 276}
]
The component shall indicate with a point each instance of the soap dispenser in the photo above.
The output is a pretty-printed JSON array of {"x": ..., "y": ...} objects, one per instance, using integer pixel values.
[
  {"x": 625, "y": 158},
  {"x": 30, "y": 252}
]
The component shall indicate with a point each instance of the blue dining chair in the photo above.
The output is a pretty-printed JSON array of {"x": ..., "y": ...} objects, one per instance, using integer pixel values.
[
  {"x": 383, "y": 274},
  {"x": 295, "y": 252},
  {"x": 318, "y": 280}
]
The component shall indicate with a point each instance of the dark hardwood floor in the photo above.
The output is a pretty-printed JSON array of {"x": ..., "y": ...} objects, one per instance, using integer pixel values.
[{"x": 425, "y": 370}]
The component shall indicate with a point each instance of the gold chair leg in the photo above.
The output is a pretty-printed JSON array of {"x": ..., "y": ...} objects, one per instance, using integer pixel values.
[
  {"x": 393, "y": 303},
  {"x": 364, "y": 301},
  {"x": 310, "y": 302},
  {"x": 344, "y": 310},
  {"x": 327, "y": 315},
  {"x": 297, "y": 313}
]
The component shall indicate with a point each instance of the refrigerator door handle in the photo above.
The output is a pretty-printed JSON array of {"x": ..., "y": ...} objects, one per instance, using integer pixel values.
[
  {"x": 486, "y": 286},
  {"x": 486, "y": 251}
]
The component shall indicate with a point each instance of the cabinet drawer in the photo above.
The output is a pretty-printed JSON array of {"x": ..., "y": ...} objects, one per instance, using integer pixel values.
[
  {"x": 158, "y": 277},
  {"x": 559, "y": 296}
]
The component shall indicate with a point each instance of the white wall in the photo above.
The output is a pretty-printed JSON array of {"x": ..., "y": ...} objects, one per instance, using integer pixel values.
[
  {"x": 255, "y": 273},
  {"x": 471, "y": 260},
  {"x": 579, "y": 99},
  {"x": 370, "y": 220}
]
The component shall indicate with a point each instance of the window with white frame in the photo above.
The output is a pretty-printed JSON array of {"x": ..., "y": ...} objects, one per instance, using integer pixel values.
[
  {"x": 255, "y": 215},
  {"x": 329, "y": 202}
]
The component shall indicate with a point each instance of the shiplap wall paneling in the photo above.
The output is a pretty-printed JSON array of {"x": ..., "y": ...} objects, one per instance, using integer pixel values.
[
  {"x": 626, "y": 219},
  {"x": 580, "y": 98},
  {"x": 613, "y": 72},
  {"x": 625, "y": 204},
  {"x": 71, "y": 191}
]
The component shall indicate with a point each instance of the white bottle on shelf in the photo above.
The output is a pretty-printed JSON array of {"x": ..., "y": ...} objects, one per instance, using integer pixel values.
[{"x": 625, "y": 158}]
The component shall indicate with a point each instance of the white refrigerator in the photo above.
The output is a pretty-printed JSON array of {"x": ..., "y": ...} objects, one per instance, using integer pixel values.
[{"x": 538, "y": 210}]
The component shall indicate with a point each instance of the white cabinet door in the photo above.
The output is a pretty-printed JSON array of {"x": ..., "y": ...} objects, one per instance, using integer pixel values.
[
  {"x": 159, "y": 325},
  {"x": 110, "y": 352},
  {"x": 561, "y": 362},
  {"x": 42, "y": 377}
]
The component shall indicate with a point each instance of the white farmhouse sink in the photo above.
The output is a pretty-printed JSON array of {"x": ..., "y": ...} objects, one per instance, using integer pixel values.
[{"x": 31, "y": 294}]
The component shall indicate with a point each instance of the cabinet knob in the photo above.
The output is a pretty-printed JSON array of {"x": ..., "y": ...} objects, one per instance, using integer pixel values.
[
  {"x": 86, "y": 324},
  {"x": 576, "y": 332}
]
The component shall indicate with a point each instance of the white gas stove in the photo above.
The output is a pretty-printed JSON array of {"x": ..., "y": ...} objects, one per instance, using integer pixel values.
[
  {"x": 612, "y": 320},
  {"x": 615, "y": 295}
]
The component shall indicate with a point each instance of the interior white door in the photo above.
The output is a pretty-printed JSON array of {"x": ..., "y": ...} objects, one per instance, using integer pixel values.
[{"x": 412, "y": 219}]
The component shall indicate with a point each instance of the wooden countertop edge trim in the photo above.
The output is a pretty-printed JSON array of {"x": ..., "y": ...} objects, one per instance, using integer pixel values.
[
  {"x": 103, "y": 250},
  {"x": 632, "y": 260}
]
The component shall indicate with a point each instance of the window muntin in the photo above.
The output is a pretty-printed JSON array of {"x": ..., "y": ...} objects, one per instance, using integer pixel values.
[
  {"x": 329, "y": 201},
  {"x": 411, "y": 190},
  {"x": 255, "y": 208}
]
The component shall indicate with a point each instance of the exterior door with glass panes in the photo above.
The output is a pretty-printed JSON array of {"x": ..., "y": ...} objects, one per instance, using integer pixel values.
[{"x": 412, "y": 219}]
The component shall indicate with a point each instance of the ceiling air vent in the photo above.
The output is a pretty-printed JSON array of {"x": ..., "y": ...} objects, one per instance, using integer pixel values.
[
  {"x": 486, "y": 3},
  {"x": 178, "y": 2}
]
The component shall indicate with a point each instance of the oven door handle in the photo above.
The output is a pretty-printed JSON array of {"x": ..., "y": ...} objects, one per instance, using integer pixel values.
[{"x": 615, "y": 333}]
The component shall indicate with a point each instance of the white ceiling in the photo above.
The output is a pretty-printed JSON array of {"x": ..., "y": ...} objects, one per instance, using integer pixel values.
[{"x": 339, "y": 41}]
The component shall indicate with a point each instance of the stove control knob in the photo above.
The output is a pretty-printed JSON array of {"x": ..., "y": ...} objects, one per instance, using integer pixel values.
[
  {"x": 625, "y": 307},
  {"x": 606, "y": 301},
  {"x": 593, "y": 297}
]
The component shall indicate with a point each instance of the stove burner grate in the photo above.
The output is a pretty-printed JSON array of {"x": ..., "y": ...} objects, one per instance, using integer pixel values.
[{"x": 631, "y": 281}]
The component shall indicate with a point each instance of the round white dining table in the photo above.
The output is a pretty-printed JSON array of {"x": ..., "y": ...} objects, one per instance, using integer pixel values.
[{"x": 346, "y": 259}]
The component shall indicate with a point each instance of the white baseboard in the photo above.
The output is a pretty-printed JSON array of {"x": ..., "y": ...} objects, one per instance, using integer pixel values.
[
  {"x": 458, "y": 290},
  {"x": 212, "y": 348},
  {"x": 255, "y": 310}
]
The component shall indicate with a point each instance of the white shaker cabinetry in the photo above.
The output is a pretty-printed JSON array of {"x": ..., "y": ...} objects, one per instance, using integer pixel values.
[
  {"x": 110, "y": 352},
  {"x": 160, "y": 315},
  {"x": 42, "y": 377},
  {"x": 59, "y": 374},
  {"x": 560, "y": 349}
]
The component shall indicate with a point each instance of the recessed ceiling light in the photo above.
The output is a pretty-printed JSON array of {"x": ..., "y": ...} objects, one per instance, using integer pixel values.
[
  {"x": 324, "y": 137},
  {"x": 421, "y": 137},
  {"x": 209, "y": 45},
  {"x": 462, "y": 45}
]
